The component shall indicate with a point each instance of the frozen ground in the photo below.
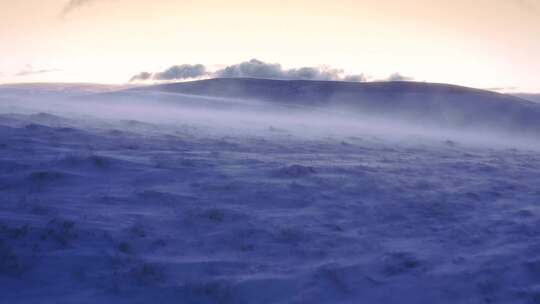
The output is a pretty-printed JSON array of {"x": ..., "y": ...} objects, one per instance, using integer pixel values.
[{"x": 104, "y": 209}]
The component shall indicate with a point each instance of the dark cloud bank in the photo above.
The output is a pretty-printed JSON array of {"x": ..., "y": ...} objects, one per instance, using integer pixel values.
[{"x": 254, "y": 69}]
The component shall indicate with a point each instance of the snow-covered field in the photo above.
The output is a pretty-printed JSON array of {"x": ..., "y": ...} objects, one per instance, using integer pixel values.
[{"x": 172, "y": 204}]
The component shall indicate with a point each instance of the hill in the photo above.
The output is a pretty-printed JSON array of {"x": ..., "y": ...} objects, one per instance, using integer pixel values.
[{"x": 421, "y": 103}]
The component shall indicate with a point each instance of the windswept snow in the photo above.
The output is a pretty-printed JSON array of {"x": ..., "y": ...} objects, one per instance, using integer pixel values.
[
  {"x": 168, "y": 203},
  {"x": 425, "y": 104}
]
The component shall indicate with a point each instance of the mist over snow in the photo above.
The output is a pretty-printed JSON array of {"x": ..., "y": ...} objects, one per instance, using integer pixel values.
[{"x": 241, "y": 190}]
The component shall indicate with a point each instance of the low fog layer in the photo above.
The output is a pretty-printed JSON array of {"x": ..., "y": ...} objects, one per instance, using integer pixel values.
[{"x": 393, "y": 110}]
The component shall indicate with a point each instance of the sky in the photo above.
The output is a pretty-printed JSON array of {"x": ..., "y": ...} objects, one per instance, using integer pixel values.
[{"x": 492, "y": 44}]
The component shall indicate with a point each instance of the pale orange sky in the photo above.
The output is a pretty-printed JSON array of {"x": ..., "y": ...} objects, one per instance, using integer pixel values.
[{"x": 479, "y": 43}]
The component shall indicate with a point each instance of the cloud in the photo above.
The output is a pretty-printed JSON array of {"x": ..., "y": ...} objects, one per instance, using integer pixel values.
[
  {"x": 309, "y": 73},
  {"x": 250, "y": 69},
  {"x": 180, "y": 72},
  {"x": 142, "y": 76},
  {"x": 29, "y": 70},
  {"x": 355, "y": 78},
  {"x": 399, "y": 77},
  {"x": 259, "y": 69},
  {"x": 73, "y": 5},
  {"x": 176, "y": 72}
]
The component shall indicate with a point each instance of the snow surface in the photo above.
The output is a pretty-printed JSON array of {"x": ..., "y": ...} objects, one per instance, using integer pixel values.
[{"x": 167, "y": 203}]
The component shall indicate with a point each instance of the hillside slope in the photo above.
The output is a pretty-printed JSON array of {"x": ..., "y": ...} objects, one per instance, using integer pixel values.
[
  {"x": 441, "y": 104},
  {"x": 529, "y": 97}
]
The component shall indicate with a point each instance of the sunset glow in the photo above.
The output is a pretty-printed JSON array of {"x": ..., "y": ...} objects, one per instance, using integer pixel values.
[{"x": 486, "y": 44}]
